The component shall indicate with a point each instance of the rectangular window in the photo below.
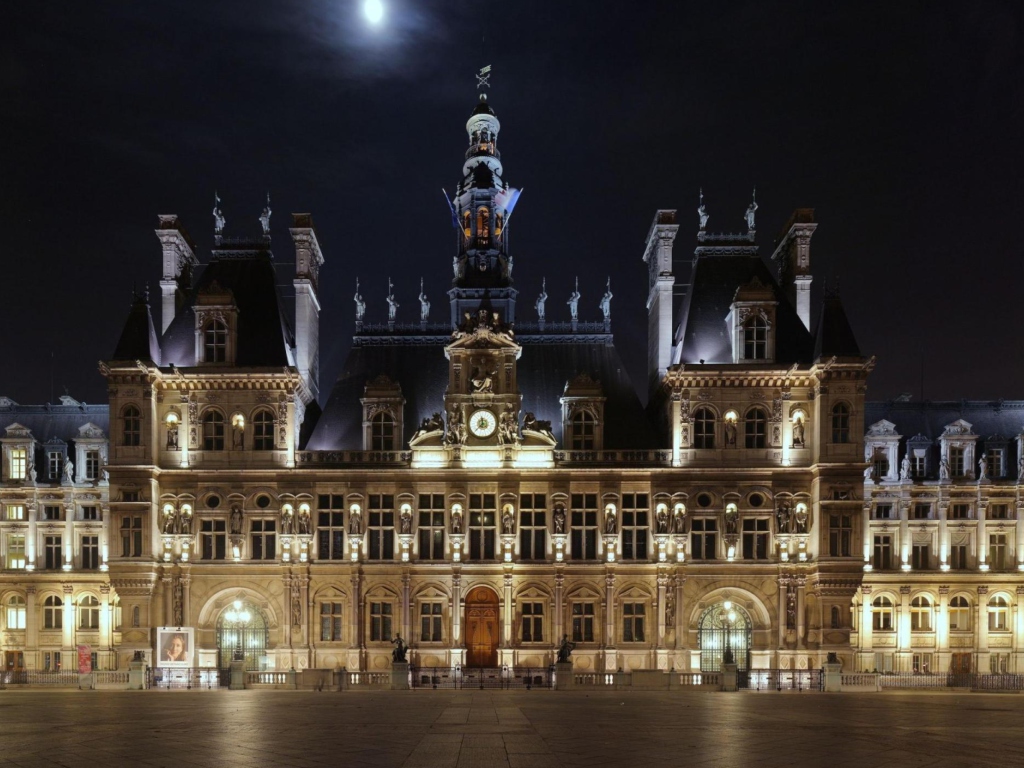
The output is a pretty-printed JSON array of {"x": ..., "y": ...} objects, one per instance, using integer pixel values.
[
  {"x": 533, "y": 526},
  {"x": 755, "y": 538},
  {"x": 330, "y": 622},
  {"x": 533, "y": 623},
  {"x": 921, "y": 512},
  {"x": 131, "y": 536},
  {"x": 999, "y": 512},
  {"x": 883, "y": 511},
  {"x": 956, "y": 461},
  {"x": 922, "y": 663},
  {"x": 704, "y": 538},
  {"x": 15, "y": 511},
  {"x": 53, "y": 513},
  {"x": 131, "y": 496},
  {"x": 380, "y": 622},
  {"x": 633, "y": 622},
  {"x": 90, "y": 553},
  {"x": 430, "y": 622},
  {"x": 960, "y": 512},
  {"x": 997, "y": 551},
  {"x": 840, "y": 535},
  {"x": 16, "y": 613},
  {"x": 958, "y": 557},
  {"x": 584, "y": 526},
  {"x": 882, "y": 560},
  {"x": 53, "y": 553},
  {"x": 263, "y": 538},
  {"x": 995, "y": 462},
  {"x": 51, "y": 661},
  {"x": 330, "y": 527},
  {"x": 583, "y": 622},
  {"x": 920, "y": 557},
  {"x": 213, "y": 539},
  {"x": 918, "y": 466},
  {"x": 880, "y": 463},
  {"x": 54, "y": 464},
  {"x": 18, "y": 463},
  {"x": 635, "y": 521},
  {"x": 431, "y": 528},
  {"x": 90, "y": 512},
  {"x": 92, "y": 465},
  {"x": 381, "y": 527},
  {"x": 15, "y": 551},
  {"x": 999, "y": 663},
  {"x": 482, "y": 514}
]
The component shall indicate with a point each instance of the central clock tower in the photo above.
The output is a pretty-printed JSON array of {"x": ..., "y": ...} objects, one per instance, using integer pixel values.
[{"x": 482, "y": 400}]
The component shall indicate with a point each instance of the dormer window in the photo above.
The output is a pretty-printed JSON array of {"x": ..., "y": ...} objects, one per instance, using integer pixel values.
[
  {"x": 956, "y": 461},
  {"x": 18, "y": 463},
  {"x": 131, "y": 432},
  {"x": 382, "y": 432},
  {"x": 880, "y": 463},
  {"x": 582, "y": 431},
  {"x": 54, "y": 464},
  {"x": 215, "y": 342},
  {"x": 755, "y": 339}
]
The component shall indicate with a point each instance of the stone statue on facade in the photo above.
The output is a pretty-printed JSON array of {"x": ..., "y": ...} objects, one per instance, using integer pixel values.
[
  {"x": 532, "y": 423},
  {"x": 508, "y": 426},
  {"x": 565, "y": 649},
  {"x": 398, "y": 655},
  {"x": 483, "y": 381},
  {"x": 286, "y": 522},
  {"x": 305, "y": 527},
  {"x": 424, "y": 304},
  {"x": 265, "y": 218},
  {"x": 185, "y": 524},
  {"x": 782, "y": 517},
  {"x": 661, "y": 519},
  {"x": 730, "y": 434},
  {"x": 606, "y": 301},
  {"x": 751, "y": 210},
  {"x": 574, "y": 301},
  {"x": 355, "y": 523},
  {"x": 392, "y": 302},
  {"x": 539, "y": 304},
  {"x": 218, "y": 217},
  {"x": 800, "y": 517},
  {"x": 559, "y": 519},
  {"x": 507, "y": 521},
  {"x": 456, "y": 522},
  {"x": 405, "y": 521},
  {"x": 169, "y": 523},
  {"x": 730, "y": 522},
  {"x": 702, "y": 212},
  {"x": 983, "y": 468},
  {"x": 236, "y": 520},
  {"x": 905, "y": 467},
  {"x": 360, "y": 304},
  {"x": 944, "y": 469},
  {"x": 798, "y": 433},
  {"x": 610, "y": 523},
  {"x": 69, "y": 472},
  {"x": 679, "y": 521}
]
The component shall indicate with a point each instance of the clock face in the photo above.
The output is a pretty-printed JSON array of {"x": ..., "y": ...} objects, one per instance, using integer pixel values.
[{"x": 482, "y": 423}]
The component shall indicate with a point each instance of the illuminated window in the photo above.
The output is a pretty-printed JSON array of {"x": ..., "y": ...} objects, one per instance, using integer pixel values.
[
  {"x": 483, "y": 222},
  {"x": 582, "y": 430},
  {"x": 959, "y": 614},
  {"x": 215, "y": 342},
  {"x": 263, "y": 431},
  {"x": 840, "y": 423},
  {"x": 881, "y": 614},
  {"x": 54, "y": 464},
  {"x": 89, "y": 613},
  {"x": 15, "y": 511},
  {"x": 213, "y": 431},
  {"x": 382, "y": 432},
  {"x": 756, "y": 428},
  {"x": 583, "y": 539},
  {"x": 380, "y": 622},
  {"x": 381, "y": 527},
  {"x": 15, "y": 551},
  {"x": 53, "y": 613},
  {"x": 482, "y": 530},
  {"x": 755, "y": 339},
  {"x": 956, "y": 461},
  {"x": 921, "y": 614},
  {"x": 532, "y": 627},
  {"x": 635, "y": 530},
  {"x": 431, "y": 527},
  {"x": 16, "y": 613},
  {"x": 92, "y": 465},
  {"x": 131, "y": 422},
  {"x": 18, "y": 463},
  {"x": 997, "y": 614},
  {"x": 430, "y": 622},
  {"x": 263, "y": 539},
  {"x": 330, "y": 527},
  {"x": 704, "y": 428}
]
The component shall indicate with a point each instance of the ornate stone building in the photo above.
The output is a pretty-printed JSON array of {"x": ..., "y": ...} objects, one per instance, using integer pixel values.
[{"x": 487, "y": 483}]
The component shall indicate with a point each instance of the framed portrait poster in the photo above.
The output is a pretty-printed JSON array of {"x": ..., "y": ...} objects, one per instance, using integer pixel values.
[{"x": 175, "y": 647}]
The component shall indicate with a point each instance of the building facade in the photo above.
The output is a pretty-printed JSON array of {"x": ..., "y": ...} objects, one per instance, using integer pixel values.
[{"x": 488, "y": 482}]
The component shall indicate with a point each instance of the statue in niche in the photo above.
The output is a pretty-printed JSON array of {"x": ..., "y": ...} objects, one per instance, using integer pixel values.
[
  {"x": 405, "y": 521},
  {"x": 782, "y": 517},
  {"x": 560, "y": 519},
  {"x": 730, "y": 522},
  {"x": 169, "y": 523},
  {"x": 507, "y": 521},
  {"x": 801, "y": 519},
  {"x": 424, "y": 304},
  {"x": 539, "y": 303},
  {"x": 360, "y": 304},
  {"x": 798, "y": 433},
  {"x": 355, "y": 523},
  {"x": 236, "y": 520},
  {"x": 606, "y": 301},
  {"x": 661, "y": 519},
  {"x": 483, "y": 381},
  {"x": 730, "y": 434},
  {"x": 456, "y": 521},
  {"x": 305, "y": 527},
  {"x": 296, "y": 612},
  {"x": 679, "y": 521},
  {"x": 172, "y": 438},
  {"x": 265, "y": 218},
  {"x": 702, "y": 212},
  {"x": 791, "y": 610},
  {"x": 610, "y": 523},
  {"x": 574, "y": 301},
  {"x": 286, "y": 523},
  {"x": 185, "y": 524}
]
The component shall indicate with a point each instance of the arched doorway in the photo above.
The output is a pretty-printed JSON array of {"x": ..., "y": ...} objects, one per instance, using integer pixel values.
[
  {"x": 482, "y": 628},
  {"x": 724, "y": 625},
  {"x": 242, "y": 628}
]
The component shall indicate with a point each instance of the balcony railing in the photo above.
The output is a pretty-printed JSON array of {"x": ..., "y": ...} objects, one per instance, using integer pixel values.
[
  {"x": 334, "y": 458},
  {"x": 636, "y": 458}
]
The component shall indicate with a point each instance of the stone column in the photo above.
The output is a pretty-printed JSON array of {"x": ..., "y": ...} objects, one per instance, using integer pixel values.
[
  {"x": 903, "y": 536},
  {"x": 168, "y": 597},
  {"x": 982, "y": 623},
  {"x": 943, "y": 537},
  {"x": 186, "y": 599},
  {"x": 559, "y": 609},
  {"x": 356, "y": 626},
  {"x": 68, "y": 634},
  {"x": 609, "y": 620},
  {"x": 456, "y": 610},
  {"x": 662, "y": 587},
  {"x": 801, "y": 621},
  {"x": 903, "y": 634},
  {"x": 286, "y": 608},
  {"x": 106, "y": 635},
  {"x": 508, "y": 613},
  {"x": 406, "y": 626},
  {"x": 31, "y": 628},
  {"x": 783, "y": 601},
  {"x": 866, "y": 528},
  {"x": 982, "y": 538},
  {"x": 304, "y": 598},
  {"x": 866, "y": 626},
  {"x": 1019, "y": 539}
]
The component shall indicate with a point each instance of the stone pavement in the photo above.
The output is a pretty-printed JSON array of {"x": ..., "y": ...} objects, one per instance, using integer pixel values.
[{"x": 517, "y": 729}]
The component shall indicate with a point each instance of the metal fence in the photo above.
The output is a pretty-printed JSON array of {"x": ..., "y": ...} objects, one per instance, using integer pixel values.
[
  {"x": 780, "y": 680},
  {"x": 66, "y": 678},
  {"x": 202, "y": 678},
  {"x": 971, "y": 680},
  {"x": 482, "y": 678}
]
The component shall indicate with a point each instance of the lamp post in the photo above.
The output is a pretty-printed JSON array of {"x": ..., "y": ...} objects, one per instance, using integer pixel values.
[
  {"x": 238, "y": 616},
  {"x": 728, "y": 617}
]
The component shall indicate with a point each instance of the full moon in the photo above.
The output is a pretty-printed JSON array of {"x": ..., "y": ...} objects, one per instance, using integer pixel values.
[{"x": 374, "y": 10}]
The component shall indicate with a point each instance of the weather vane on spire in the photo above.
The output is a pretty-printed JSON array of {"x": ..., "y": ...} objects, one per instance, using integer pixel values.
[{"x": 483, "y": 78}]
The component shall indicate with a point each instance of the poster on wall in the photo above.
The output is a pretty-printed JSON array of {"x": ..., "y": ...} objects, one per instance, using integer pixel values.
[
  {"x": 84, "y": 659},
  {"x": 174, "y": 647}
]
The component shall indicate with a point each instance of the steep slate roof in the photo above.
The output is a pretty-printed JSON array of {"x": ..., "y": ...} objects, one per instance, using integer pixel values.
[
  {"x": 834, "y": 336},
  {"x": 139, "y": 340},
  {"x": 264, "y": 336},
  {"x": 713, "y": 284},
  {"x": 422, "y": 372},
  {"x": 1005, "y": 419},
  {"x": 60, "y": 421}
]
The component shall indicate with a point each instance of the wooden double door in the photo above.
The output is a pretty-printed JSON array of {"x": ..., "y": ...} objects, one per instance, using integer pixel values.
[{"x": 482, "y": 628}]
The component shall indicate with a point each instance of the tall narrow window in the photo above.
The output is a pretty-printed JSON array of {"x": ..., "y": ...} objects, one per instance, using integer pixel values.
[
  {"x": 997, "y": 551},
  {"x": 583, "y": 622},
  {"x": 213, "y": 539},
  {"x": 881, "y": 614},
  {"x": 635, "y": 522},
  {"x": 54, "y": 464},
  {"x": 382, "y": 432},
  {"x": 263, "y": 539},
  {"x": 633, "y": 622},
  {"x": 533, "y": 526},
  {"x": 483, "y": 222},
  {"x": 53, "y": 553},
  {"x": 840, "y": 535},
  {"x": 956, "y": 461},
  {"x": 920, "y": 557},
  {"x": 704, "y": 428},
  {"x": 430, "y": 622},
  {"x": 263, "y": 431},
  {"x": 18, "y": 463},
  {"x": 704, "y": 538},
  {"x": 756, "y": 428},
  {"x": 994, "y": 456},
  {"x": 755, "y": 339},
  {"x": 131, "y": 422},
  {"x": 381, "y": 527},
  {"x": 482, "y": 515},
  {"x": 89, "y": 613},
  {"x": 16, "y": 613},
  {"x": 840, "y": 423},
  {"x": 958, "y": 557},
  {"x": 90, "y": 553},
  {"x": 920, "y": 614},
  {"x": 533, "y": 623},
  {"x": 880, "y": 463},
  {"x": 959, "y": 614},
  {"x": 998, "y": 608},
  {"x": 582, "y": 426},
  {"x": 15, "y": 551},
  {"x": 215, "y": 342},
  {"x": 213, "y": 431},
  {"x": 92, "y": 465},
  {"x": 755, "y": 538},
  {"x": 882, "y": 560},
  {"x": 584, "y": 526},
  {"x": 380, "y": 622},
  {"x": 330, "y": 527},
  {"x": 131, "y": 536},
  {"x": 431, "y": 528},
  {"x": 53, "y": 613},
  {"x": 330, "y": 622}
]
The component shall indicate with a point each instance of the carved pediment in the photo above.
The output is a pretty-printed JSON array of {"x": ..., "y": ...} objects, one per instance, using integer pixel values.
[
  {"x": 882, "y": 428},
  {"x": 485, "y": 330},
  {"x": 958, "y": 427},
  {"x": 583, "y": 385},
  {"x": 382, "y": 386},
  {"x": 90, "y": 430},
  {"x": 755, "y": 291},
  {"x": 17, "y": 430}
]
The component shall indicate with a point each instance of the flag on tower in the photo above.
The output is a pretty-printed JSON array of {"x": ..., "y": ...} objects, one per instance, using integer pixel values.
[{"x": 507, "y": 199}]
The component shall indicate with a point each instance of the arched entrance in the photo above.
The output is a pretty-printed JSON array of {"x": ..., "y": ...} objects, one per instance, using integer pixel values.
[
  {"x": 242, "y": 628},
  {"x": 482, "y": 628},
  {"x": 724, "y": 625}
]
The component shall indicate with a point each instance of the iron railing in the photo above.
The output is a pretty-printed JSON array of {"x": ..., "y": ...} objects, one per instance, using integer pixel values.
[
  {"x": 201, "y": 678},
  {"x": 971, "y": 680},
  {"x": 780, "y": 680},
  {"x": 482, "y": 678},
  {"x": 67, "y": 678}
]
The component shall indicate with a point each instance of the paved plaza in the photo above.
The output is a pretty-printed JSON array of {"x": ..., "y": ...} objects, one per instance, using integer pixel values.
[{"x": 527, "y": 729}]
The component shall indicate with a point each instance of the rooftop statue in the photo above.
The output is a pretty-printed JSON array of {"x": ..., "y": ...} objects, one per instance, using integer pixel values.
[{"x": 265, "y": 218}]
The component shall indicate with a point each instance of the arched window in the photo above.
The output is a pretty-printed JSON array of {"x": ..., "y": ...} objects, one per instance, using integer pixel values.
[
  {"x": 840, "y": 423},
  {"x": 881, "y": 614},
  {"x": 89, "y": 613},
  {"x": 755, "y": 339},
  {"x": 263, "y": 431},
  {"x": 997, "y": 610},
  {"x": 921, "y": 614},
  {"x": 583, "y": 424},
  {"x": 466, "y": 223},
  {"x": 16, "y": 613},
  {"x": 835, "y": 617},
  {"x": 215, "y": 342},
  {"x": 115, "y": 610},
  {"x": 483, "y": 222},
  {"x": 131, "y": 433},
  {"x": 136, "y": 616},
  {"x": 382, "y": 432},
  {"x": 53, "y": 613},
  {"x": 959, "y": 614},
  {"x": 213, "y": 430},
  {"x": 756, "y": 428},
  {"x": 704, "y": 428}
]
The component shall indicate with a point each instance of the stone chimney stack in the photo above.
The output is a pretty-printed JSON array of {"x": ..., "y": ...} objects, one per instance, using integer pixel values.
[
  {"x": 179, "y": 261},
  {"x": 793, "y": 253},
  {"x": 308, "y": 260},
  {"x": 658, "y": 257}
]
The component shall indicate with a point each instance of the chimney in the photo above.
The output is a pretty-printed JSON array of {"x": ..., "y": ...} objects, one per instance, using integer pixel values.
[
  {"x": 308, "y": 260},
  {"x": 793, "y": 253},
  {"x": 179, "y": 261},
  {"x": 658, "y": 257}
]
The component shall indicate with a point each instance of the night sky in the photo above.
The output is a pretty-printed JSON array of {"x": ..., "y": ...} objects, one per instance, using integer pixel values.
[{"x": 900, "y": 123}]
